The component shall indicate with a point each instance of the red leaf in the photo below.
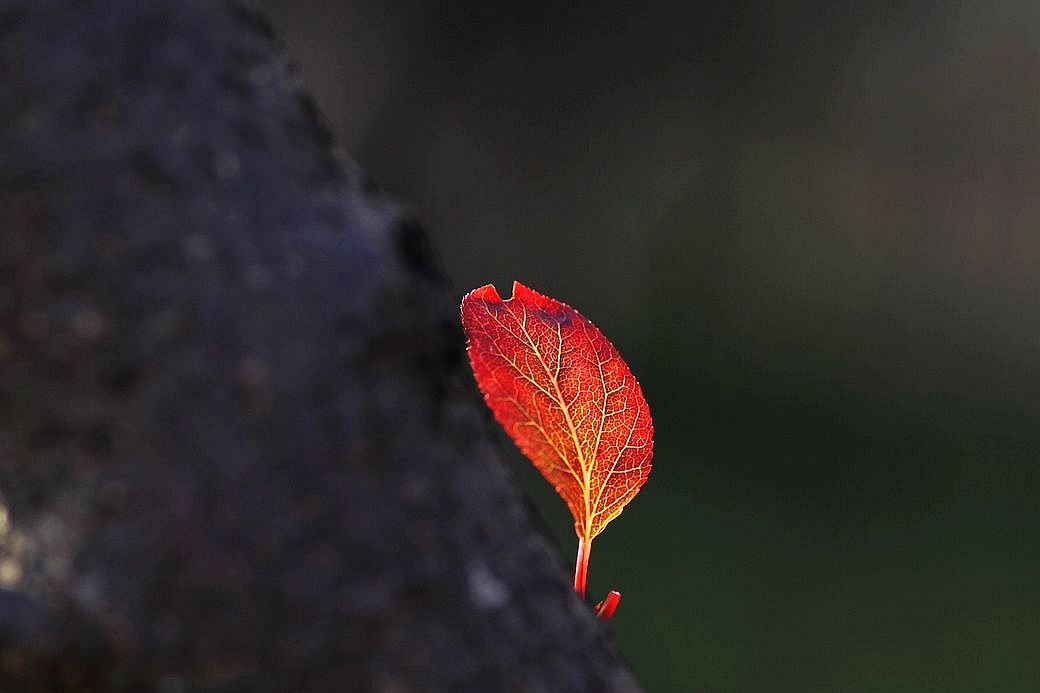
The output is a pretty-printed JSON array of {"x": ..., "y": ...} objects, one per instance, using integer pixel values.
[{"x": 567, "y": 399}]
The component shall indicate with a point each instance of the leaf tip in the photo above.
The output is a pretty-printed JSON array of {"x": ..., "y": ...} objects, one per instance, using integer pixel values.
[
  {"x": 526, "y": 293},
  {"x": 484, "y": 293},
  {"x": 531, "y": 297}
]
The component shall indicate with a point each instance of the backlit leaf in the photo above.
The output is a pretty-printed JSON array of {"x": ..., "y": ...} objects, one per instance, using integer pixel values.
[{"x": 565, "y": 396}]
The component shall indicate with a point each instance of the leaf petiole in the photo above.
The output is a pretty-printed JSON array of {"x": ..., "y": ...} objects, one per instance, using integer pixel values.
[
  {"x": 581, "y": 566},
  {"x": 606, "y": 608}
]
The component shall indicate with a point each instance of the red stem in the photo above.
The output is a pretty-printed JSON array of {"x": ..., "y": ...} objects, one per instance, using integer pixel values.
[
  {"x": 581, "y": 566},
  {"x": 606, "y": 608}
]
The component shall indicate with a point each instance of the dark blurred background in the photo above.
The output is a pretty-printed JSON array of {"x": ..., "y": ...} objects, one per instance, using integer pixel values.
[{"x": 813, "y": 230}]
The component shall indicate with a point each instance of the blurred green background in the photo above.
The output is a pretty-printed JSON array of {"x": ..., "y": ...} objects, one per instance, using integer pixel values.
[{"x": 813, "y": 230}]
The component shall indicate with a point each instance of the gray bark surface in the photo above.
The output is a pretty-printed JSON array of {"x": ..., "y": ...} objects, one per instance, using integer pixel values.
[{"x": 239, "y": 446}]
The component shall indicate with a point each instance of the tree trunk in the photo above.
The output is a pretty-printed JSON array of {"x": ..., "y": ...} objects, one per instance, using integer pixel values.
[{"x": 239, "y": 446}]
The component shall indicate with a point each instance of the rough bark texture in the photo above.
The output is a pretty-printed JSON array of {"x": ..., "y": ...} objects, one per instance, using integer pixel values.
[{"x": 239, "y": 449}]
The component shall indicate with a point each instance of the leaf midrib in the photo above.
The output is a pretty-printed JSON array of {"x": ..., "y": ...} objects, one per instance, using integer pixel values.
[{"x": 585, "y": 469}]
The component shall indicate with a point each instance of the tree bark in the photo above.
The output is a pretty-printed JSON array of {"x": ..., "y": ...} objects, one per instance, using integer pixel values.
[{"x": 239, "y": 446}]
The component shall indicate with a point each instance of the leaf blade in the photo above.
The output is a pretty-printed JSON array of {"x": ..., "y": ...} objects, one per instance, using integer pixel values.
[{"x": 565, "y": 396}]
